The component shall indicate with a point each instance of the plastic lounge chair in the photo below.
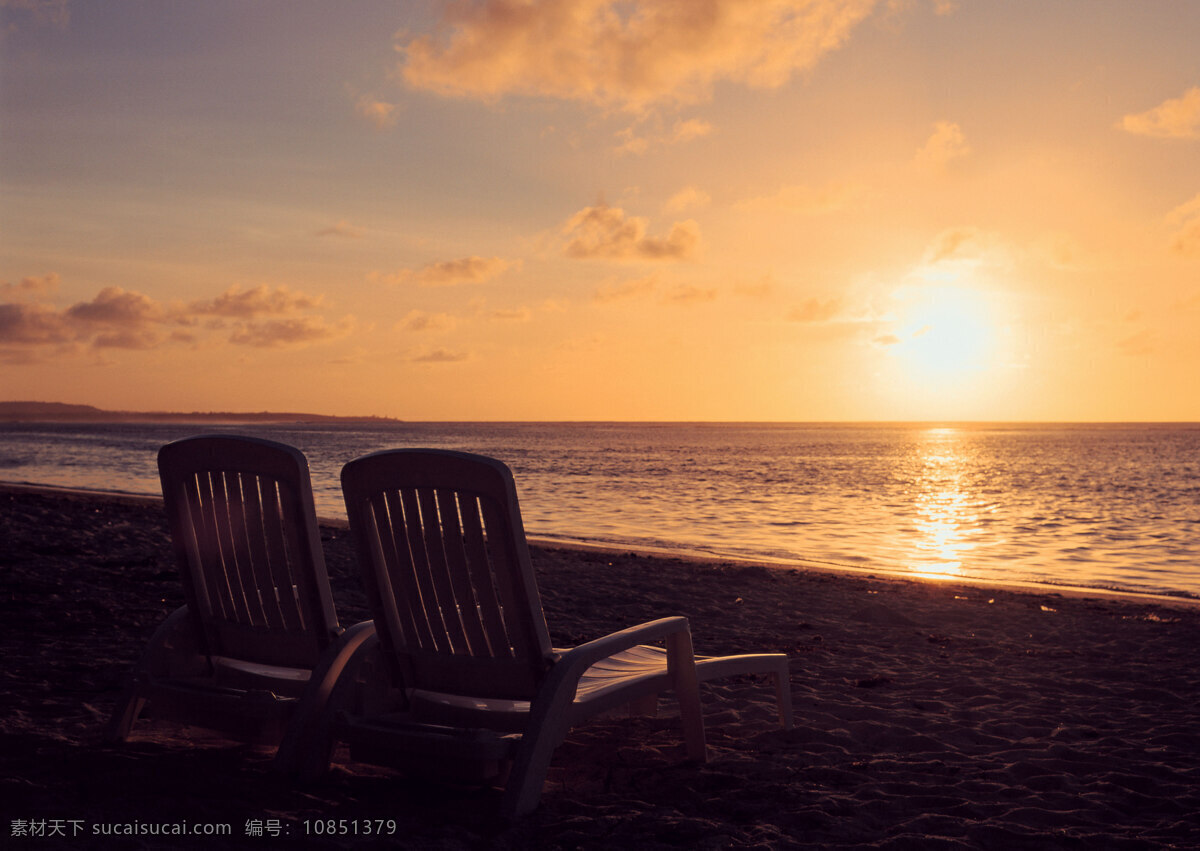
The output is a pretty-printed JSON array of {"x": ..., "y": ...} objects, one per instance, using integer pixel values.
[
  {"x": 259, "y": 613},
  {"x": 456, "y": 675}
]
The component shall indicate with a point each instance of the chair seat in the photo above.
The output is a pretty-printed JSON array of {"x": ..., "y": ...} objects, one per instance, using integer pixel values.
[{"x": 615, "y": 681}]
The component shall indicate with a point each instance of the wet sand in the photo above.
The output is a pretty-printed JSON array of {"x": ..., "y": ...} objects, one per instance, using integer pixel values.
[{"x": 928, "y": 714}]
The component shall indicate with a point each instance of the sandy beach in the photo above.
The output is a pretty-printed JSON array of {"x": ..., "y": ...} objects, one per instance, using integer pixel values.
[{"x": 928, "y": 714}]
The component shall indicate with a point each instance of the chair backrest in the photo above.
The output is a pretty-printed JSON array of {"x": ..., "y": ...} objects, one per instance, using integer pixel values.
[
  {"x": 447, "y": 571},
  {"x": 244, "y": 528}
]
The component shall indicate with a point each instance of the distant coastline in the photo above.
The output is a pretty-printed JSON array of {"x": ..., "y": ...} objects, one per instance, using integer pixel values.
[{"x": 61, "y": 412}]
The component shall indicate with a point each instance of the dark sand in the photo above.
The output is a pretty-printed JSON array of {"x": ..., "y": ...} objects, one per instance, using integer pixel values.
[{"x": 929, "y": 715}]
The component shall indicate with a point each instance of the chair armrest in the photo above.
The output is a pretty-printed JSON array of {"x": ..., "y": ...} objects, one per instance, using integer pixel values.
[
  {"x": 575, "y": 661},
  {"x": 338, "y": 661},
  {"x": 172, "y": 650}
]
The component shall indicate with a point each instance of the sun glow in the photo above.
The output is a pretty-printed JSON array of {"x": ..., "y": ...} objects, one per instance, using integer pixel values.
[{"x": 946, "y": 332}]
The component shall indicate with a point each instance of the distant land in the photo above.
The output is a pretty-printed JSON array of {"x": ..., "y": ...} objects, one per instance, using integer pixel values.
[{"x": 44, "y": 412}]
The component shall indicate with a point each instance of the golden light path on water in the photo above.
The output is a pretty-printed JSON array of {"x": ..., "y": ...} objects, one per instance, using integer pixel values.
[{"x": 945, "y": 510}]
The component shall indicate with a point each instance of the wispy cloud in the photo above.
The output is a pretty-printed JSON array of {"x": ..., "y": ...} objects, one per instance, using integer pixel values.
[
  {"x": 624, "y": 55},
  {"x": 946, "y": 143},
  {"x": 1185, "y": 219},
  {"x": 624, "y": 290},
  {"x": 604, "y": 232},
  {"x": 690, "y": 197},
  {"x": 438, "y": 356},
  {"x": 38, "y": 12},
  {"x": 953, "y": 244},
  {"x": 816, "y": 310},
  {"x": 510, "y": 314},
  {"x": 236, "y": 302},
  {"x": 1138, "y": 343},
  {"x": 297, "y": 331},
  {"x": 419, "y": 320},
  {"x": 689, "y": 294},
  {"x": 1177, "y": 118},
  {"x": 380, "y": 114},
  {"x": 448, "y": 273},
  {"x": 342, "y": 230},
  {"x": 31, "y": 287},
  {"x": 683, "y": 131}
]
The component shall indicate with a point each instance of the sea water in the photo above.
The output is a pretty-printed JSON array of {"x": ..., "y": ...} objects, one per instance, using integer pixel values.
[{"x": 1101, "y": 506}]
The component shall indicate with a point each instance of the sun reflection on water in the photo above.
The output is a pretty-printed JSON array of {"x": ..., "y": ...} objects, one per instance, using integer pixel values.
[{"x": 944, "y": 510}]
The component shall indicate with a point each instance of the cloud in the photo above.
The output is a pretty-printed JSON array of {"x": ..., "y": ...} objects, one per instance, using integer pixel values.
[
  {"x": 297, "y": 331},
  {"x": 947, "y": 143},
  {"x": 32, "y": 324},
  {"x": 687, "y": 198},
  {"x": 610, "y": 292},
  {"x": 1178, "y": 118},
  {"x": 1186, "y": 221},
  {"x": 129, "y": 338},
  {"x": 31, "y": 287},
  {"x": 341, "y": 229},
  {"x": 683, "y": 131},
  {"x": 448, "y": 273},
  {"x": 116, "y": 318},
  {"x": 806, "y": 200},
  {"x": 952, "y": 244},
  {"x": 115, "y": 306},
  {"x": 419, "y": 320},
  {"x": 603, "y": 232},
  {"x": 439, "y": 356},
  {"x": 510, "y": 314},
  {"x": 1139, "y": 343},
  {"x": 379, "y": 113},
  {"x": 693, "y": 128},
  {"x": 815, "y": 310},
  {"x": 689, "y": 294},
  {"x": 39, "y": 12},
  {"x": 623, "y": 55},
  {"x": 235, "y": 302}
]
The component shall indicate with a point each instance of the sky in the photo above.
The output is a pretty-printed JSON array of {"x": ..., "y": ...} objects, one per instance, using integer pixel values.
[{"x": 722, "y": 210}]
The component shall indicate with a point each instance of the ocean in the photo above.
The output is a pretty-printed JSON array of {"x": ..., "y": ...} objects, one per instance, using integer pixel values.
[{"x": 1094, "y": 506}]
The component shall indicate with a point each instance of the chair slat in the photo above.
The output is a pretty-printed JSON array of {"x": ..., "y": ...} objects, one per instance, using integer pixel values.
[
  {"x": 439, "y": 577},
  {"x": 295, "y": 553},
  {"x": 426, "y": 600},
  {"x": 226, "y": 547},
  {"x": 460, "y": 577},
  {"x": 500, "y": 557},
  {"x": 402, "y": 573},
  {"x": 260, "y": 564},
  {"x": 208, "y": 551},
  {"x": 242, "y": 490},
  {"x": 475, "y": 550},
  {"x": 185, "y": 516},
  {"x": 275, "y": 552}
]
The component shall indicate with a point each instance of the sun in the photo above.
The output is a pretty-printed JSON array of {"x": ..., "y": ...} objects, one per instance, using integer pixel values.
[{"x": 945, "y": 332}]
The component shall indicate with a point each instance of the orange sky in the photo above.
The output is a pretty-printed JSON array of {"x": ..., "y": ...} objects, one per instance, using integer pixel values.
[{"x": 583, "y": 209}]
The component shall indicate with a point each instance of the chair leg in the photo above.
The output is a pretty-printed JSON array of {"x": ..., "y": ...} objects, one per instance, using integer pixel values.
[
  {"x": 681, "y": 665},
  {"x": 124, "y": 716},
  {"x": 783, "y": 696}
]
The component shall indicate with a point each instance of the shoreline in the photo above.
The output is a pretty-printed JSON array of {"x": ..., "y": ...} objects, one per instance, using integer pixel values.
[
  {"x": 927, "y": 714},
  {"x": 1180, "y": 598}
]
